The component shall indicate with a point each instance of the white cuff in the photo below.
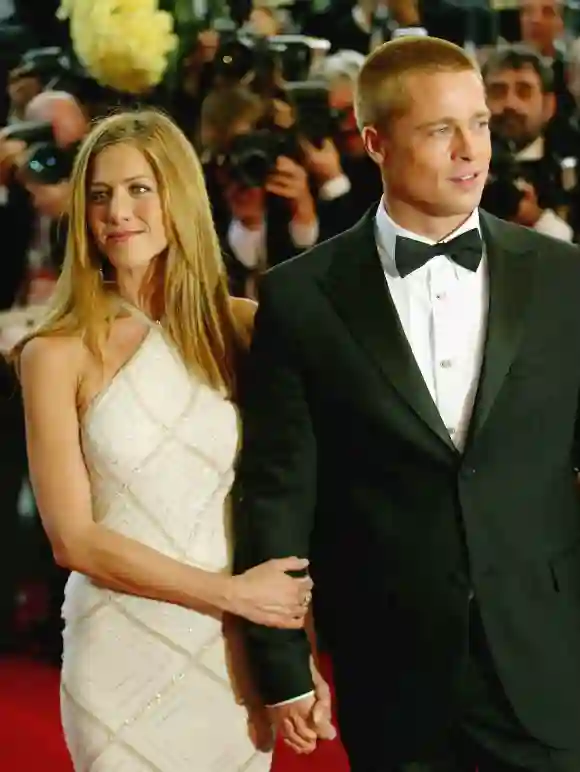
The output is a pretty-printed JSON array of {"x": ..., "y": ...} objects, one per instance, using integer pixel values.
[
  {"x": 291, "y": 700},
  {"x": 304, "y": 236},
  {"x": 335, "y": 188}
]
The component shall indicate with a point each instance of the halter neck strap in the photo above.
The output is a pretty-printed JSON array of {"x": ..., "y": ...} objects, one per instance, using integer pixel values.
[{"x": 139, "y": 314}]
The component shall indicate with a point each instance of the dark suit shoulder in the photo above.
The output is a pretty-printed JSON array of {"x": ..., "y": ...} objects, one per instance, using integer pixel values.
[
  {"x": 313, "y": 263},
  {"x": 545, "y": 247}
]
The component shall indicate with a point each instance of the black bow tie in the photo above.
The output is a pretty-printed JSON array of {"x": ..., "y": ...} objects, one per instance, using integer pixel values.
[{"x": 465, "y": 250}]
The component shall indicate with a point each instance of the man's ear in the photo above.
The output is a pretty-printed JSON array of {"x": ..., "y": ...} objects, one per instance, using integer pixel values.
[{"x": 374, "y": 145}]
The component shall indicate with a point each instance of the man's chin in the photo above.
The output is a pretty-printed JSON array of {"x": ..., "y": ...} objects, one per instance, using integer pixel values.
[{"x": 456, "y": 206}]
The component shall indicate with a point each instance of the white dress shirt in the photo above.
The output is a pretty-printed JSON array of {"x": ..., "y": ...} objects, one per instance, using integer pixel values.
[{"x": 443, "y": 311}]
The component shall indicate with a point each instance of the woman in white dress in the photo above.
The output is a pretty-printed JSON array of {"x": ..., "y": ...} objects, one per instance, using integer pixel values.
[{"x": 132, "y": 431}]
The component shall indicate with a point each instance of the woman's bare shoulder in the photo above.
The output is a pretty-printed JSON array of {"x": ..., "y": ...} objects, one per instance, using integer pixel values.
[{"x": 49, "y": 356}]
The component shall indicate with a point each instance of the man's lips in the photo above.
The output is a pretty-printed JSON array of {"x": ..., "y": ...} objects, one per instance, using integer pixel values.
[{"x": 465, "y": 178}]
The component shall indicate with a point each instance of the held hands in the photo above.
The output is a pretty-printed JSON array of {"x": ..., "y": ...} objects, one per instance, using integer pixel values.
[
  {"x": 304, "y": 722},
  {"x": 268, "y": 596}
]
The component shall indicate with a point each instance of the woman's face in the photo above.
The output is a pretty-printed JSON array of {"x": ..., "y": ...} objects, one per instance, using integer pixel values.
[{"x": 124, "y": 210}]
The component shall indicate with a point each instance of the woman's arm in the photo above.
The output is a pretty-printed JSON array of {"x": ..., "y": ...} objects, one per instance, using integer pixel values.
[{"x": 50, "y": 372}]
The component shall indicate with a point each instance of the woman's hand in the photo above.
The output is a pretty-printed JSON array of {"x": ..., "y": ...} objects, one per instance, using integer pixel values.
[{"x": 267, "y": 595}]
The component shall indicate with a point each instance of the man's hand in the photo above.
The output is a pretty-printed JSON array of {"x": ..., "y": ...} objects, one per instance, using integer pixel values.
[
  {"x": 322, "y": 711},
  {"x": 304, "y": 722},
  {"x": 294, "y": 722},
  {"x": 290, "y": 181},
  {"x": 322, "y": 162},
  {"x": 529, "y": 211}
]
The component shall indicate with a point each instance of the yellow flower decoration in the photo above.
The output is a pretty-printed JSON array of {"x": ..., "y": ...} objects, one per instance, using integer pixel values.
[{"x": 123, "y": 44}]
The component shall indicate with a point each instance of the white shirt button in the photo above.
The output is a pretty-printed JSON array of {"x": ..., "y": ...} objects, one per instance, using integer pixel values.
[{"x": 445, "y": 364}]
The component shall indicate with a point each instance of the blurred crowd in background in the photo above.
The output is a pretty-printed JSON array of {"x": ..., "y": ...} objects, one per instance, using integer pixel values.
[{"x": 264, "y": 90}]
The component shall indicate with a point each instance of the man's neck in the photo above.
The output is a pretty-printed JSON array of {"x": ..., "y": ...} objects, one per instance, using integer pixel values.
[{"x": 420, "y": 223}]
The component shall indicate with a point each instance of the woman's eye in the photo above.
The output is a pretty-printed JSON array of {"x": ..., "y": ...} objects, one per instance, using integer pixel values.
[{"x": 139, "y": 190}]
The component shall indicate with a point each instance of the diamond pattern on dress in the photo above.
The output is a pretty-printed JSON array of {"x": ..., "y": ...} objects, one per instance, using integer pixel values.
[{"x": 144, "y": 683}]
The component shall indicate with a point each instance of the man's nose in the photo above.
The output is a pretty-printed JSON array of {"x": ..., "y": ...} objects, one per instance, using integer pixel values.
[
  {"x": 511, "y": 102},
  {"x": 464, "y": 144}
]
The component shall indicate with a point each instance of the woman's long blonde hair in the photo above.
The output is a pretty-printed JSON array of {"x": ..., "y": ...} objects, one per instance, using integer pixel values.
[{"x": 197, "y": 312}]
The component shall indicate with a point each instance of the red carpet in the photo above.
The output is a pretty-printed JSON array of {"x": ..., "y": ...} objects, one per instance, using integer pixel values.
[
  {"x": 328, "y": 756},
  {"x": 31, "y": 738},
  {"x": 30, "y": 735}
]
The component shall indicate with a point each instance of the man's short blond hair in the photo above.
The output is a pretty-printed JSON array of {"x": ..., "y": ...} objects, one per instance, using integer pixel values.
[{"x": 380, "y": 90}]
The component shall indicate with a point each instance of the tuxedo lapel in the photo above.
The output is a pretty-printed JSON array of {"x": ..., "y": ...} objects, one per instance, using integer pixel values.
[
  {"x": 357, "y": 287},
  {"x": 511, "y": 266}
]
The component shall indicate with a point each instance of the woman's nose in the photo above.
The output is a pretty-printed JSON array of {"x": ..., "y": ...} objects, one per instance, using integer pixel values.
[{"x": 120, "y": 206}]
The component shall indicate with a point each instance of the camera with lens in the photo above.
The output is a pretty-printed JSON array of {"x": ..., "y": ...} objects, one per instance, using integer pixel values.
[
  {"x": 29, "y": 132},
  {"x": 276, "y": 68},
  {"x": 265, "y": 63},
  {"x": 252, "y": 157},
  {"x": 47, "y": 164},
  {"x": 501, "y": 194},
  {"x": 279, "y": 67}
]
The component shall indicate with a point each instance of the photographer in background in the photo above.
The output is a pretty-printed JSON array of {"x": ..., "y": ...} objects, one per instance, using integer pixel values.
[
  {"x": 542, "y": 28},
  {"x": 264, "y": 209},
  {"x": 521, "y": 99},
  {"x": 40, "y": 69},
  {"x": 348, "y": 181},
  {"x": 55, "y": 117},
  {"x": 32, "y": 154},
  {"x": 45, "y": 174}
]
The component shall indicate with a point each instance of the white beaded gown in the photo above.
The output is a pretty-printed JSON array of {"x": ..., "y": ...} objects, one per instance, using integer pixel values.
[{"x": 144, "y": 684}]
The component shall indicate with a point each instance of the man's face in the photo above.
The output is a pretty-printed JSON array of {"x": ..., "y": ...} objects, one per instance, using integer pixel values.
[
  {"x": 541, "y": 24},
  {"x": 520, "y": 109},
  {"x": 435, "y": 157}
]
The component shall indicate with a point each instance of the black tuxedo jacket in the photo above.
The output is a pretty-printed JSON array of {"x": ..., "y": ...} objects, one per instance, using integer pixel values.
[{"x": 345, "y": 459}]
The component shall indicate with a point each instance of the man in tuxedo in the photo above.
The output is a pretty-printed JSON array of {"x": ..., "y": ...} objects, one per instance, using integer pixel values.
[{"x": 410, "y": 424}]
